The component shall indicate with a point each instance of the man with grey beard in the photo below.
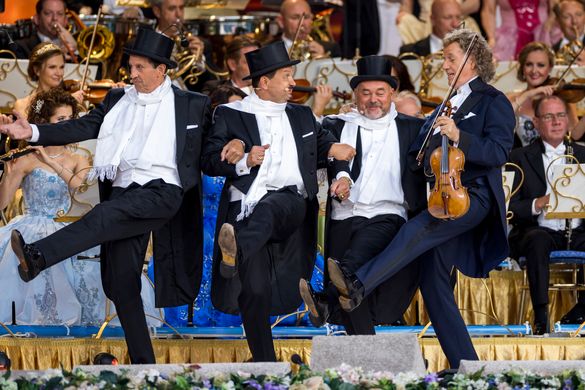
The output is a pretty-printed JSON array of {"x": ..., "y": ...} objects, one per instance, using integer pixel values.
[{"x": 385, "y": 193}]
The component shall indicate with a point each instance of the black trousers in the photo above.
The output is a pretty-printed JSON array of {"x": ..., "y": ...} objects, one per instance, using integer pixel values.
[
  {"x": 354, "y": 241},
  {"x": 436, "y": 243},
  {"x": 536, "y": 245},
  {"x": 123, "y": 225},
  {"x": 274, "y": 218}
]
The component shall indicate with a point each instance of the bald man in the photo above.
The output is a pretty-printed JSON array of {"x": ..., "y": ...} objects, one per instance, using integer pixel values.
[
  {"x": 446, "y": 16},
  {"x": 290, "y": 16}
]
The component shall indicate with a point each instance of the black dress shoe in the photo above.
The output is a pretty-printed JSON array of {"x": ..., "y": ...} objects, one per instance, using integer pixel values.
[
  {"x": 351, "y": 290},
  {"x": 575, "y": 316},
  {"x": 226, "y": 240},
  {"x": 32, "y": 261},
  {"x": 316, "y": 303},
  {"x": 540, "y": 329}
]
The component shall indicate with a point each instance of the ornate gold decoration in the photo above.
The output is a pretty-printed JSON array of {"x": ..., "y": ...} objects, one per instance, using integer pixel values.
[{"x": 558, "y": 187}]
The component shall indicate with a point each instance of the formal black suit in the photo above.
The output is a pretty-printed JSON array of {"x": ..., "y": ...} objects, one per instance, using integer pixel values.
[
  {"x": 361, "y": 28},
  {"x": 476, "y": 242},
  {"x": 422, "y": 47},
  {"x": 527, "y": 238},
  {"x": 556, "y": 47},
  {"x": 25, "y": 46},
  {"x": 122, "y": 222},
  {"x": 357, "y": 239},
  {"x": 277, "y": 242}
]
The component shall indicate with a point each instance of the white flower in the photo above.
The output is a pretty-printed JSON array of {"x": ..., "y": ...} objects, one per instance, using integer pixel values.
[
  {"x": 229, "y": 385},
  {"x": 504, "y": 386},
  {"x": 7, "y": 384},
  {"x": 405, "y": 378}
]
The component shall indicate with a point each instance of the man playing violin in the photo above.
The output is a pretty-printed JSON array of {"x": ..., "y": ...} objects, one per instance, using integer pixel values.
[
  {"x": 482, "y": 127},
  {"x": 267, "y": 218},
  {"x": 362, "y": 221},
  {"x": 50, "y": 21},
  {"x": 149, "y": 137}
]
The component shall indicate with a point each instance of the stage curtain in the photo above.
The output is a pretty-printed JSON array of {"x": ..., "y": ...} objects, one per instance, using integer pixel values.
[
  {"x": 39, "y": 354},
  {"x": 502, "y": 292}
]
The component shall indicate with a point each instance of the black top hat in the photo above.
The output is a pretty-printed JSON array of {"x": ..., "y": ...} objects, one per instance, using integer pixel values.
[
  {"x": 153, "y": 45},
  {"x": 373, "y": 68},
  {"x": 267, "y": 59}
]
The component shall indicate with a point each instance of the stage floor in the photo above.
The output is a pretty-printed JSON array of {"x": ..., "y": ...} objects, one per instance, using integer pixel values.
[{"x": 44, "y": 353}]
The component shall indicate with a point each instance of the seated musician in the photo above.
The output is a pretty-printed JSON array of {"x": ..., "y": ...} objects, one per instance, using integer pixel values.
[
  {"x": 290, "y": 16},
  {"x": 571, "y": 17},
  {"x": 45, "y": 177},
  {"x": 236, "y": 64},
  {"x": 446, "y": 16},
  {"x": 533, "y": 236},
  {"x": 172, "y": 12},
  {"x": 46, "y": 67},
  {"x": 50, "y": 22},
  {"x": 536, "y": 62}
]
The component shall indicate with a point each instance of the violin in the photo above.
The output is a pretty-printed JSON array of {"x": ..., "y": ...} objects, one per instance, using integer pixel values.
[
  {"x": 448, "y": 198},
  {"x": 570, "y": 92},
  {"x": 303, "y": 89},
  {"x": 95, "y": 92}
]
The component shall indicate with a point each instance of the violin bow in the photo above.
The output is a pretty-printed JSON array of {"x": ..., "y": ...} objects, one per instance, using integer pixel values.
[
  {"x": 303, "y": 16},
  {"x": 558, "y": 83},
  {"x": 93, "y": 34},
  {"x": 425, "y": 145}
]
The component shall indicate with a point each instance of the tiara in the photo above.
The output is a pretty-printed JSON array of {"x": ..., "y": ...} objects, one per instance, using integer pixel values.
[
  {"x": 49, "y": 47},
  {"x": 39, "y": 106}
]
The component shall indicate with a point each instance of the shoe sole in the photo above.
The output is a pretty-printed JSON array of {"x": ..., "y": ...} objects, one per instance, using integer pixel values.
[
  {"x": 308, "y": 298},
  {"x": 226, "y": 241},
  {"x": 16, "y": 244},
  {"x": 337, "y": 278}
]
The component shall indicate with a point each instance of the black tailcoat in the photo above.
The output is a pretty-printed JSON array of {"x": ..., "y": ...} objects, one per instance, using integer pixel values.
[
  {"x": 293, "y": 258},
  {"x": 178, "y": 245}
]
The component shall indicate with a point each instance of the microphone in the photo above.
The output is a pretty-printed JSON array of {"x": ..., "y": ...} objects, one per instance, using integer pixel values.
[
  {"x": 296, "y": 359},
  {"x": 11, "y": 44}
]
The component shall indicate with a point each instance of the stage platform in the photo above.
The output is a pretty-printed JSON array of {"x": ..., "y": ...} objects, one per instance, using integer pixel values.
[{"x": 201, "y": 345}]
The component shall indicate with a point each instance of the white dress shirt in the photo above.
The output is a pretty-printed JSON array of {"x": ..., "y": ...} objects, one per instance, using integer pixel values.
[
  {"x": 550, "y": 156},
  {"x": 378, "y": 189}
]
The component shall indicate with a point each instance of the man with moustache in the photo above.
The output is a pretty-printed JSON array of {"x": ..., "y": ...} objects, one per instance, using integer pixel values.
[
  {"x": 386, "y": 193},
  {"x": 149, "y": 137},
  {"x": 482, "y": 127},
  {"x": 267, "y": 218}
]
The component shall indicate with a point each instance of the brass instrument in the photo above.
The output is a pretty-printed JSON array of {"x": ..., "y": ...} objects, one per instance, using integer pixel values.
[
  {"x": 320, "y": 30},
  {"x": 186, "y": 60},
  {"x": 104, "y": 41},
  {"x": 570, "y": 51},
  {"x": 64, "y": 42}
]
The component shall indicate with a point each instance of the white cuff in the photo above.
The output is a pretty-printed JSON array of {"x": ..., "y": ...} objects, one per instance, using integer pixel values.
[
  {"x": 35, "y": 133},
  {"x": 242, "y": 166},
  {"x": 344, "y": 174},
  {"x": 534, "y": 212}
]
